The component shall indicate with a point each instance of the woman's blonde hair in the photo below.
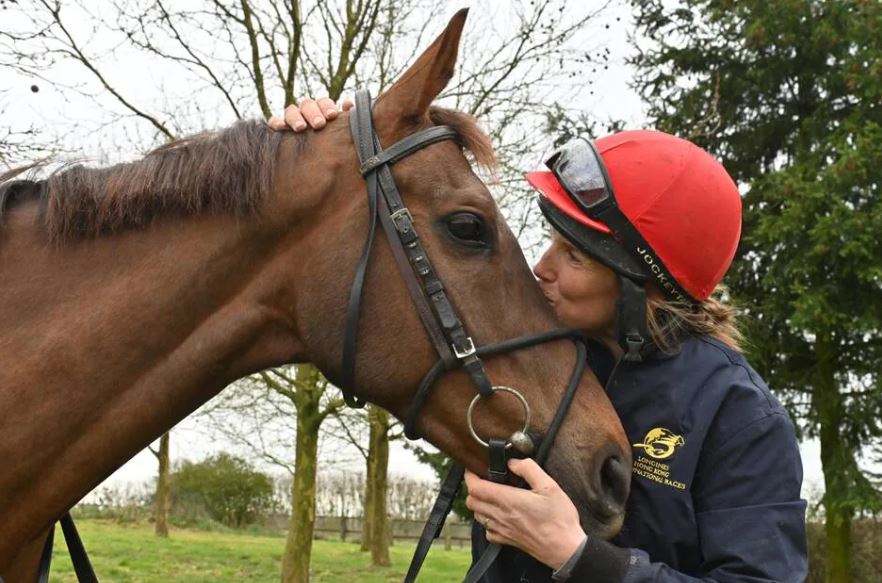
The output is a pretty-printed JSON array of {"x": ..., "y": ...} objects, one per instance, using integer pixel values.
[{"x": 715, "y": 317}]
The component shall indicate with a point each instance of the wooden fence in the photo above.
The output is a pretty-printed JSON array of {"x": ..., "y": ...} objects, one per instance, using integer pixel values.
[{"x": 454, "y": 534}]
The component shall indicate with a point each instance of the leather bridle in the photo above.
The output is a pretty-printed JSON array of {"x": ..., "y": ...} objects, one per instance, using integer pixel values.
[{"x": 454, "y": 346}]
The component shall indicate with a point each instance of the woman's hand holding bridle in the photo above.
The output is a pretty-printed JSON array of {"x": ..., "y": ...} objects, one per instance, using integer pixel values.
[{"x": 541, "y": 521}]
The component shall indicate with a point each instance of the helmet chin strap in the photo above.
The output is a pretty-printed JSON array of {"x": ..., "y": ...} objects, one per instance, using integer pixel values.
[{"x": 631, "y": 330}]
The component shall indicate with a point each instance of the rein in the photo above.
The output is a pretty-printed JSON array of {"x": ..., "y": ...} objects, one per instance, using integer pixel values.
[{"x": 78, "y": 555}]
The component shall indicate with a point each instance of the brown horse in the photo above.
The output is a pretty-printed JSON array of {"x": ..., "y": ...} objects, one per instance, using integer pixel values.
[{"x": 135, "y": 293}]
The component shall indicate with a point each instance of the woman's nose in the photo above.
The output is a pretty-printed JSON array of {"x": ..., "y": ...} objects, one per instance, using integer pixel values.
[{"x": 542, "y": 269}]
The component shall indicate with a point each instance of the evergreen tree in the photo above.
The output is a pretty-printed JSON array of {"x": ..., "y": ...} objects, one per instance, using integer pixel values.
[{"x": 787, "y": 94}]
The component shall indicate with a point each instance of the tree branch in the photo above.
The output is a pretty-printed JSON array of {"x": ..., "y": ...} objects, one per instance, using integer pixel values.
[
  {"x": 255, "y": 60},
  {"x": 81, "y": 57}
]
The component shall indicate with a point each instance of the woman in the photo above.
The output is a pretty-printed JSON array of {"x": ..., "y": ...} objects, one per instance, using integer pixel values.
[{"x": 645, "y": 227}]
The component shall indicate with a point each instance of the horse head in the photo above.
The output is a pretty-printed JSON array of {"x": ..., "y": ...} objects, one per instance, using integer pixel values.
[{"x": 487, "y": 279}]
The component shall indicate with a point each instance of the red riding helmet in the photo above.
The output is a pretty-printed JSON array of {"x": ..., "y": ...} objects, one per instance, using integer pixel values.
[{"x": 677, "y": 196}]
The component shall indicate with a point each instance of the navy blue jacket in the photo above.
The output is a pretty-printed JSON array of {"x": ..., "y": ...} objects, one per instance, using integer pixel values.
[{"x": 715, "y": 490}]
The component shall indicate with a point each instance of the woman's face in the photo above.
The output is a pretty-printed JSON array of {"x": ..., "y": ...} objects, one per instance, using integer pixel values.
[{"x": 582, "y": 291}]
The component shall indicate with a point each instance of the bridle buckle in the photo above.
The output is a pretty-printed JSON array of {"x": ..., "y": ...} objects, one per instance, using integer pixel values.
[
  {"x": 467, "y": 351},
  {"x": 397, "y": 216}
]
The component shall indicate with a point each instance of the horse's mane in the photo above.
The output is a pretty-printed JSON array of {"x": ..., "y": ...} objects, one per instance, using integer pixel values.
[{"x": 227, "y": 171}]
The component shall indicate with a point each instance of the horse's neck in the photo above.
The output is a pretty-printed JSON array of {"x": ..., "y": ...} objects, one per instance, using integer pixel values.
[{"x": 106, "y": 344}]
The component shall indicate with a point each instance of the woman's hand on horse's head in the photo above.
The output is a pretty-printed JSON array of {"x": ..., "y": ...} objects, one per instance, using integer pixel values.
[{"x": 308, "y": 113}]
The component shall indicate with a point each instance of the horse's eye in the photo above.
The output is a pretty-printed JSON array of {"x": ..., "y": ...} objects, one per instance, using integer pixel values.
[{"x": 468, "y": 228}]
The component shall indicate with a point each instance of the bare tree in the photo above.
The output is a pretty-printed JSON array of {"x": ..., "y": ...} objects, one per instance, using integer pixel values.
[
  {"x": 258, "y": 413},
  {"x": 409, "y": 498},
  {"x": 228, "y": 59},
  {"x": 19, "y": 145},
  {"x": 369, "y": 432},
  {"x": 376, "y": 521},
  {"x": 340, "y": 493},
  {"x": 163, "y": 486}
]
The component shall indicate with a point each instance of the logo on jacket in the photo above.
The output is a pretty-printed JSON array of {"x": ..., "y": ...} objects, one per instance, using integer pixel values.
[{"x": 661, "y": 443}]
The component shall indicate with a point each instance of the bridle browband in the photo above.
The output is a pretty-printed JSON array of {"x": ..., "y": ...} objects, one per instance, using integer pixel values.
[{"x": 454, "y": 346}]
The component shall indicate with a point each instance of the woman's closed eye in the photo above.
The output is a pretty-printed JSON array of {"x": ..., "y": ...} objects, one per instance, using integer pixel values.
[{"x": 575, "y": 256}]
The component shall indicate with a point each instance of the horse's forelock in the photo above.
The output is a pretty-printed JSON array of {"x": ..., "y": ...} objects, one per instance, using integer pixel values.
[{"x": 470, "y": 134}]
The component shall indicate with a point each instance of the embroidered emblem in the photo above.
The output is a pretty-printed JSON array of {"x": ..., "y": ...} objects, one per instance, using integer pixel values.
[{"x": 661, "y": 443}]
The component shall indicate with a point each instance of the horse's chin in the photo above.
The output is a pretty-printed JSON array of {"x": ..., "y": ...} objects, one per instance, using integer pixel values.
[
  {"x": 594, "y": 527},
  {"x": 597, "y": 517}
]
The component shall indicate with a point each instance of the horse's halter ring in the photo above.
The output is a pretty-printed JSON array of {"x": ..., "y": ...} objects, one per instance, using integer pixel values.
[
  {"x": 455, "y": 347},
  {"x": 519, "y": 439}
]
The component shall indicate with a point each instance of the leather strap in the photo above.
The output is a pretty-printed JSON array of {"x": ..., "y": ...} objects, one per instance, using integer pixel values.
[
  {"x": 402, "y": 226},
  {"x": 46, "y": 557},
  {"x": 634, "y": 336},
  {"x": 408, "y": 146},
  {"x": 78, "y": 555},
  {"x": 398, "y": 226},
  {"x": 510, "y": 345},
  {"x": 439, "y": 318},
  {"x": 498, "y": 468},
  {"x": 353, "y": 309},
  {"x": 483, "y": 564},
  {"x": 418, "y": 269},
  {"x": 432, "y": 529}
]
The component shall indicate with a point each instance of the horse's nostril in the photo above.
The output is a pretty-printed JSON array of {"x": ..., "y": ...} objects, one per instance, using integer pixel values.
[{"x": 615, "y": 482}]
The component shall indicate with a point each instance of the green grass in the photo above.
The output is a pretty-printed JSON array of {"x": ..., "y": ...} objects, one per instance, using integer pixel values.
[{"x": 131, "y": 553}]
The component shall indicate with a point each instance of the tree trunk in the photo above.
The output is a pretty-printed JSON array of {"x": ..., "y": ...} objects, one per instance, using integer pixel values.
[
  {"x": 367, "y": 522},
  {"x": 163, "y": 488},
  {"x": 298, "y": 546},
  {"x": 836, "y": 461},
  {"x": 378, "y": 462}
]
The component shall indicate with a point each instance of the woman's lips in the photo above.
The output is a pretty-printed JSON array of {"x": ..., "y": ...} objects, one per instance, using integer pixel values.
[{"x": 548, "y": 297}]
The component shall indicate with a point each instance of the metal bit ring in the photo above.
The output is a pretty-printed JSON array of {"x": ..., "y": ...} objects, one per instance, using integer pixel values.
[{"x": 477, "y": 398}]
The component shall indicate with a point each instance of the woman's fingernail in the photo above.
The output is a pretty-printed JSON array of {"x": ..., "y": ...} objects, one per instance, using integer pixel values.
[
  {"x": 318, "y": 120},
  {"x": 331, "y": 111},
  {"x": 300, "y": 125}
]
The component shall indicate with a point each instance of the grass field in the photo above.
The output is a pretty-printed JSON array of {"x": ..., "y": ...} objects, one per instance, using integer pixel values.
[{"x": 131, "y": 553}]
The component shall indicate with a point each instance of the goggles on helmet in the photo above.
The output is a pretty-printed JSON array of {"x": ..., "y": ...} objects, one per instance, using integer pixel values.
[{"x": 579, "y": 169}]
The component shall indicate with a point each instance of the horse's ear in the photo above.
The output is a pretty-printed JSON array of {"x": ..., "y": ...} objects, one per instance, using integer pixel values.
[{"x": 406, "y": 103}]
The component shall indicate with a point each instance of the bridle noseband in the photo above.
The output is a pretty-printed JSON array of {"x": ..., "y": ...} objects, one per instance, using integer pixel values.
[{"x": 454, "y": 346}]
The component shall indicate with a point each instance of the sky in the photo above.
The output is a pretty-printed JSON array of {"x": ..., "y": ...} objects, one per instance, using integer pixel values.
[{"x": 611, "y": 98}]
